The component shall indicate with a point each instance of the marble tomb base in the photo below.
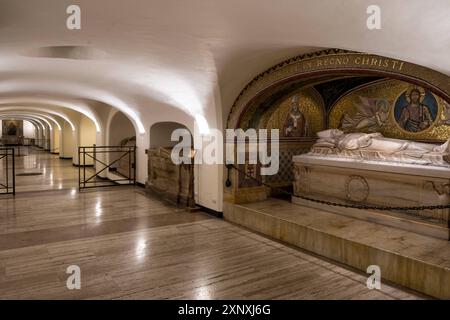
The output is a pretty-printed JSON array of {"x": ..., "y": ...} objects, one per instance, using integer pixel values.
[
  {"x": 376, "y": 183},
  {"x": 416, "y": 261}
]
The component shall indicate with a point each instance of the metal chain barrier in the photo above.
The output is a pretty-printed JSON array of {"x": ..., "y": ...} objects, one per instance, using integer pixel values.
[{"x": 346, "y": 205}]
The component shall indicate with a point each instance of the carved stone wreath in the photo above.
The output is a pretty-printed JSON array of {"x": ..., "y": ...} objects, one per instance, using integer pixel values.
[{"x": 356, "y": 188}]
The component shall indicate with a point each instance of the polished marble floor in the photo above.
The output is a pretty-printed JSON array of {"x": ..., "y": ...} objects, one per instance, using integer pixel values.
[
  {"x": 37, "y": 169},
  {"x": 130, "y": 245}
]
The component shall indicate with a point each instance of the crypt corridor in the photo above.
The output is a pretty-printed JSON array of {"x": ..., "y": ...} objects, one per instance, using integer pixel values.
[
  {"x": 133, "y": 246},
  {"x": 224, "y": 149}
]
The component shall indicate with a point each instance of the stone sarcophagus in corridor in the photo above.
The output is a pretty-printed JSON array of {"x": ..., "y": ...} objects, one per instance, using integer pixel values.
[
  {"x": 369, "y": 169},
  {"x": 174, "y": 182}
]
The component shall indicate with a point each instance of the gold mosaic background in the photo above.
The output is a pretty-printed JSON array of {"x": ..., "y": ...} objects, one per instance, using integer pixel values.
[
  {"x": 311, "y": 106},
  {"x": 331, "y": 60},
  {"x": 390, "y": 90}
]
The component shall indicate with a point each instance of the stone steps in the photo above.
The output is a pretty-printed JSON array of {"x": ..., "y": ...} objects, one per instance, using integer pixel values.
[
  {"x": 399, "y": 220},
  {"x": 416, "y": 261}
]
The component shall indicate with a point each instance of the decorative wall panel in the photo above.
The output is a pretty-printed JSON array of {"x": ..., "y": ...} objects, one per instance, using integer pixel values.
[{"x": 395, "y": 108}]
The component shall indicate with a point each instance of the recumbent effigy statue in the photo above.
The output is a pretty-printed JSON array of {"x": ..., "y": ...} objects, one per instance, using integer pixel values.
[
  {"x": 376, "y": 147},
  {"x": 370, "y": 169}
]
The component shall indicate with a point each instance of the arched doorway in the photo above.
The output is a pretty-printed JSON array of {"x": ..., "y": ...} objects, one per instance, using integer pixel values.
[
  {"x": 161, "y": 134},
  {"x": 174, "y": 179},
  {"x": 122, "y": 134}
]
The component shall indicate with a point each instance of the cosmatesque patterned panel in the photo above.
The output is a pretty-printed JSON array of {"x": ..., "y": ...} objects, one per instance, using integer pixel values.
[{"x": 285, "y": 174}]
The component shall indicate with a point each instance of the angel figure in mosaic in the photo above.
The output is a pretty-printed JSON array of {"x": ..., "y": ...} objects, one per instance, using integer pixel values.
[{"x": 371, "y": 115}]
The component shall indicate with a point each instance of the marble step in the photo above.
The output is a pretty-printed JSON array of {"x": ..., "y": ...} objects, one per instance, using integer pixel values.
[
  {"x": 407, "y": 258},
  {"x": 405, "y": 221}
]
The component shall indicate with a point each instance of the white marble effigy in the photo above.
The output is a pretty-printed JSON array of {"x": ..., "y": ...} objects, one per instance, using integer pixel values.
[
  {"x": 343, "y": 177},
  {"x": 334, "y": 143}
]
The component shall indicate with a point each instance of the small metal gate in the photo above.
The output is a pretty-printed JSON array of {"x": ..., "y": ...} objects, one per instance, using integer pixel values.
[
  {"x": 106, "y": 166},
  {"x": 7, "y": 171}
]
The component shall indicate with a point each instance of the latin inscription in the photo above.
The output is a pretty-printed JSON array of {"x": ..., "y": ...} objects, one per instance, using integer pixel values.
[{"x": 369, "y": 61}]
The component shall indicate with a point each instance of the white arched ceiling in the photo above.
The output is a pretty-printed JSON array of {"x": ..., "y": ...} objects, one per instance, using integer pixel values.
[
  {"x": 37, "y": 113},
  {"x": 34, "y": 121},
  {"x": 44, "y": 117},
  {"x": 35, "y": 125},
  {"x": 197, "y": 55},
  {"x": 33, "y": 115},
  {"x": 56, "y": 103},
  {"x": 41, "y": 109}
]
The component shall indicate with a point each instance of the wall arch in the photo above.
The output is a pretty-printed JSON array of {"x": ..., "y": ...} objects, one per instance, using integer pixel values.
[
  {"x": 324, "y": 70},
  {"x": 32, "y": 121},
  {"x": 160, "y": 133},
  {"x": 40, "y": 126},
  {"x": 41, "y": 110},
  {"x": 76, "y": 106},
  {"x": 35, "y": 117},
  {"x": 85, "y": 92},
  {"x": 335, "y": 62},
  {"x": 119, "y": 127},
  {"x": 120, "y": 132},
  {"x": 174, "y": 181}
]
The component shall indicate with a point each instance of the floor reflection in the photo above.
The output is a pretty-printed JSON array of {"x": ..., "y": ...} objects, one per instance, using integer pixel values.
[
  {"x": 38, "y": 170},
  {"x": 131, "y": 245}
]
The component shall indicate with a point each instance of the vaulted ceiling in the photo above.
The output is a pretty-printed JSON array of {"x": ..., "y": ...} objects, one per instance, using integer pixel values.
[{"x": 154, "y": 57}]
